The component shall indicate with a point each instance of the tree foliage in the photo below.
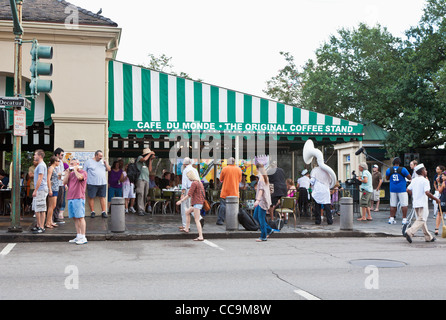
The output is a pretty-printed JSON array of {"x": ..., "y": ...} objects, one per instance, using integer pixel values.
[{"x": 366, "y": 73}]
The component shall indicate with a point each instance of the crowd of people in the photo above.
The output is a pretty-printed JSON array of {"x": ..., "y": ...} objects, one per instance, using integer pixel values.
[{"x": 49, "y": 185}]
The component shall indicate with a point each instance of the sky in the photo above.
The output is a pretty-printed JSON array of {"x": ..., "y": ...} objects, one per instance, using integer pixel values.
[{"x": 235, "y": 44}]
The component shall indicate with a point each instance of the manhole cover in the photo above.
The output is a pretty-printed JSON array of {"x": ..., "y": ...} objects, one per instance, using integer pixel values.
[{"x": 379, "y": 263}]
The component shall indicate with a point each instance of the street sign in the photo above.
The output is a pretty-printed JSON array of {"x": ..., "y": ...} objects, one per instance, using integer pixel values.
[
  {"x": 20, "y": 123},
  {"x": 15, "y": 102}
]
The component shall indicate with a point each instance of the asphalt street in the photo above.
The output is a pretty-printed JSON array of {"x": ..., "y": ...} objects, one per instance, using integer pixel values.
[{"x": 221, "y": 269}]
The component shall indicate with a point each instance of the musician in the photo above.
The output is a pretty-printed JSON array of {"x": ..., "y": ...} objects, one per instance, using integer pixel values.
[{"x": 320, "y": 180}]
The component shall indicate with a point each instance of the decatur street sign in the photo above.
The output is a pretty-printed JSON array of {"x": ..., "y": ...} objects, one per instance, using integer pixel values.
[{"x": 15, "y": 102}]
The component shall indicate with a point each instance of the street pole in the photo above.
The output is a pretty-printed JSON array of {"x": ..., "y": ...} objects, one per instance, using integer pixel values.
[{"x": 17, "y": 140}]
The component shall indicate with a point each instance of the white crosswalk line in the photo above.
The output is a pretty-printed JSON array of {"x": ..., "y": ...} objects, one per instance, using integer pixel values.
[
  {"x": 7, "y": 249},
  {"x": 213, "y": 245},
  {"x": 306, "y": 295}
]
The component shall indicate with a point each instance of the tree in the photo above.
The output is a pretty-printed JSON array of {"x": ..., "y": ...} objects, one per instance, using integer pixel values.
[
  {"x": 368, "y": 74},
  {"x": 163, "y": 64},
  {"x": 286, "y": 86}
]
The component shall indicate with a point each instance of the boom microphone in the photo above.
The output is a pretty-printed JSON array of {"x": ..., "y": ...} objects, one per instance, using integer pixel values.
[{"x": 360, "y": 150}]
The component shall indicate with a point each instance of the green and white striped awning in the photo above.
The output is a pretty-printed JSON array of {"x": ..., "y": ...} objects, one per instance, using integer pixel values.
[
  {"x": 145, "y": 101},
  {"x": 41, "y": 108}
]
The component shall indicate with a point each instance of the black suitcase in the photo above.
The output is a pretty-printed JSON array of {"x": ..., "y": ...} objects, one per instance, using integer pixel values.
[{"x": 247, "y": 221}]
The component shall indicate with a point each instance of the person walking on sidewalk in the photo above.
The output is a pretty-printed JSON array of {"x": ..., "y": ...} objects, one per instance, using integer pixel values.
[
  {"x": 76, "y": 180},
  {"x": 263, "y": 200},
  {"x": 186, "y": 184},
  {"x": 196, "y": 194},
  {"x": 230, "y": 176},
  {"x": 96, "y": 168},
  {"x": 420, "y": 188}
]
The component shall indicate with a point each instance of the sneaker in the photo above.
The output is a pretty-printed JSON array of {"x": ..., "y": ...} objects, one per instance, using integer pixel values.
[
  {"x": 39, "y": 231},
  {"x": 131, "y": 210},
  {"x": 104, "y": 214},
  {"x": 392, "y": 221},
  {"x": 408, "y": 238},
  {"x": 92, "y": 214},
  {"x": 82, "y": 241},
  {"x": 73, "y": 240},
  {"x": 404, "y": 221}
]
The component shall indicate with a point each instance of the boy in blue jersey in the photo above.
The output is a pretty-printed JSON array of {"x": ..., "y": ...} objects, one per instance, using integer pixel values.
[{"x": 397, "y": 176}]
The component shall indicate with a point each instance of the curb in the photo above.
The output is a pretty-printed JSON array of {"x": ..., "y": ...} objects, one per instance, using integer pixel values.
[{"x": 131, "y": 236}]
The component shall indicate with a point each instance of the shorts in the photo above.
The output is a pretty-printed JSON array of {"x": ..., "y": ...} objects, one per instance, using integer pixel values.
[
  {"x": 55, "y": 193},
  {"x": 401, "y": 197},
  {"x": 76, "y": 208},
  {"x": 114, "y": 192},
  {"x": 39, "y": 201},
  {"x": 376, "y": 195},
  {"x": 96, "y": 191},
  {"x": 198, "y": 206},
  {"x": 128, "y": 191},
  {"x": 365, "y": 201}
]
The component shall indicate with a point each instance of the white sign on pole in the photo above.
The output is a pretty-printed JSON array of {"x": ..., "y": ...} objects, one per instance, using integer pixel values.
[{"x": 19, "y": 123}]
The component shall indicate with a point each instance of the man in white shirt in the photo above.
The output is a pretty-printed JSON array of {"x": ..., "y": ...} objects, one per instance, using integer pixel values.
[
  {"x": 419, "y": 188},
  {"x": 303, "y": 184},
  {"x": 320, "y": 180},
  {"x": 185, "y": 186}
]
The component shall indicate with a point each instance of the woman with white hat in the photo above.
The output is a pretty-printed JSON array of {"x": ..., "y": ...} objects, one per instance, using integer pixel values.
[
  {"x": 196, "y": 193},
  {"x": 303, "y": 183}
]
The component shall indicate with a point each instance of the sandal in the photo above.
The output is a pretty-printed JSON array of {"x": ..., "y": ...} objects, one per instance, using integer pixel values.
[
  {"x": 49, "y": 227},
  {"x": 184, "y": 230},
  {"x": 198, "y": 239},
  {"x": 436, "y": 232}
]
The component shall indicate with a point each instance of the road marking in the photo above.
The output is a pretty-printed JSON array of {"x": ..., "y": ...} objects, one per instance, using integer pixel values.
[
  {"x": 7, "y": 249},
  {"x": 213, "y": 245},
  {"x": 306, "y": 295}
]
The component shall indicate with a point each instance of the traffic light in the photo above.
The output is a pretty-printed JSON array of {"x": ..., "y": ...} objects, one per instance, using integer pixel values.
[{"x": 40, "y": 69}]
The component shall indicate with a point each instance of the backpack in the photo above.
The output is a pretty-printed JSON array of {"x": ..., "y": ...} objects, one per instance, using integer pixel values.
[
  {"x": 133, "y": 172},
  {"x": 398, "y": 170},
  {"x": 247, "y": 221}
]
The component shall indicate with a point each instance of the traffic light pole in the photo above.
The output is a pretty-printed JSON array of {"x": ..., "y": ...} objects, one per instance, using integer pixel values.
[{"x": 17, "y": 140}]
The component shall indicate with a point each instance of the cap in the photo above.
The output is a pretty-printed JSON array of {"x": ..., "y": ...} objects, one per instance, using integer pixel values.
[
  {"x": 304, "y": 172},
  {"x": 418, "y": 167}
]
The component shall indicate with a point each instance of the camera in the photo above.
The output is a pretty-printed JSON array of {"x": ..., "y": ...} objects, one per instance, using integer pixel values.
[{"x": 353, "y": 181}]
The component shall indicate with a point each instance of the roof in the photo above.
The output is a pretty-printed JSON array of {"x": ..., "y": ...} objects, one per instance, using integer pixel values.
[
  {"x": 372, "y": 132},
  {"x": 144, "y": 101},
  {"x": 53, "y": 11}
]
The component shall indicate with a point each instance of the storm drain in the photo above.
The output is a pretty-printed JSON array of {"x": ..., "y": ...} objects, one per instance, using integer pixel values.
[{"x": 379, "y": 263}]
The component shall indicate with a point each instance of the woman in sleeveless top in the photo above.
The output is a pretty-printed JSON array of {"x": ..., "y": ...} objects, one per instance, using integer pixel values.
[{"x": 53, "y": 188}]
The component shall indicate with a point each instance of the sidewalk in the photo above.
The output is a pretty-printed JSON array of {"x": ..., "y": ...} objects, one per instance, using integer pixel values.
[{"x": 162, "y": 227}]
